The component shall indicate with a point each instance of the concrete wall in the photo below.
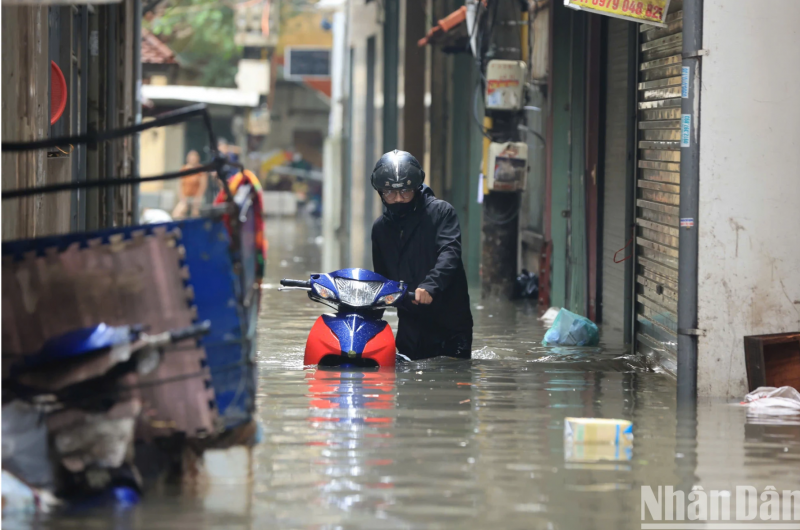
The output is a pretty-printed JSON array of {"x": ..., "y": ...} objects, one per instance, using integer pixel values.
[
  {"x": 364, "y": 23},
  {"x": 332, "y": 204},
  {"x": 749, "y": 224},
  {"x": 161, "y": 151},
  {"x": 366, "y": 142},
  {"x": 332, "y": 192},
  {"x": 297, "y": 108}
]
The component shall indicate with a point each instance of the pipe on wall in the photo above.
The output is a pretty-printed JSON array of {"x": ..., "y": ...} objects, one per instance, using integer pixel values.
[
  {"x": 137, "y": 104},
  {"x": 111, "y": 107},
  {"x": 689, "y": 200}
]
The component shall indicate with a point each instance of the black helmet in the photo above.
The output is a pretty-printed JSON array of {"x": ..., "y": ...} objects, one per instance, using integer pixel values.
[{"x": 397, "y": 170}]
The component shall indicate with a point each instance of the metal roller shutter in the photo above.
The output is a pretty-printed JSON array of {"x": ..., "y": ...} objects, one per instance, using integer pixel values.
[
  {"x": 615, "y": 182},
  {"x": 658, "y": 187}
]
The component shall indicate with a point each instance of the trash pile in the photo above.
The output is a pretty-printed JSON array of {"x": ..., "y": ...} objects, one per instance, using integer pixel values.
[
  {"x": 569, "y": 329},
  {"x": 165, "y": 373},
  {"x": 70, "y": 414},
  {"x": 526, "y": 286}
]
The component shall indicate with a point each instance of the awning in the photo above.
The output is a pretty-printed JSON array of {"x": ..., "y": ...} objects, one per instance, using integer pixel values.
[
  {"x": 199, "y": 94},
  {"x": 439, "y": 32}
]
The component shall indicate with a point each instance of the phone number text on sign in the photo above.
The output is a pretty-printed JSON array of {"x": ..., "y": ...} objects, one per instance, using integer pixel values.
[{"x": 641, "y": 10}]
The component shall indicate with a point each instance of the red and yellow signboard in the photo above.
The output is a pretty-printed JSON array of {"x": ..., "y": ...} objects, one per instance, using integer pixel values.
[{"x": 647, "y": 11}]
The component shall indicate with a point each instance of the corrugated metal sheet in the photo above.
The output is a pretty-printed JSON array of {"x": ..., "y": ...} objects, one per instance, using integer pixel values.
[
  {"x": 615, "y": 233},
  {"x": 658, "y": 186}
]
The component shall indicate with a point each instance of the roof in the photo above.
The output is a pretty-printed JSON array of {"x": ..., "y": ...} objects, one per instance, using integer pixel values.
[
  {"x": 154, "y": 51},
  {"x": 231, "y": 97},
  {"x": 323, "y": 86},
  {"x": 454, "y": 19}
]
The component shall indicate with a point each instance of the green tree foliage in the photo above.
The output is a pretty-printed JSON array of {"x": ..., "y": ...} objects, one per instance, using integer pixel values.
[{"x": 201, "y": 33}]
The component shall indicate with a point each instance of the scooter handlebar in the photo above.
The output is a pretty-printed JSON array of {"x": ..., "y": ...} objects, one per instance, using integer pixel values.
[{"x": 302, "y": 284}]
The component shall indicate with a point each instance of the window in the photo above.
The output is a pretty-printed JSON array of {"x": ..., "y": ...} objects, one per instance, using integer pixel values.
[{"x": 307, "y": 62}]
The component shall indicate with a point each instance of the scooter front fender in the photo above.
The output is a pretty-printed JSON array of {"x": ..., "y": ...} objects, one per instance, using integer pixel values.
[
  {"x": 350, "y": 338},
  {"x": 321, "y": 343}
]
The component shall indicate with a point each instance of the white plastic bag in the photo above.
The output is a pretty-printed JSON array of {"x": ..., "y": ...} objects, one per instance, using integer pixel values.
[
  {"x": 25, "y": 449},
  {"x": 19, "y": 497},
  {"x": 770, "y": 400}
]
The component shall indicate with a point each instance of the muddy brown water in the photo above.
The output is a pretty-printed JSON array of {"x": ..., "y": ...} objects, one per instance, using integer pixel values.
[{"x": 458, "y": 444}]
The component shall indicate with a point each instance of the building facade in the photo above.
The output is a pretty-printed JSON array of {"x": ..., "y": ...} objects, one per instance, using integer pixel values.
[
  {"x": 653, "y": 202},
  {"x": 96, "y": 49}
]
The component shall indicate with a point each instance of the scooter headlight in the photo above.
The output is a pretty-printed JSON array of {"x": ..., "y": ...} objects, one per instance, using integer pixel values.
[
  {"x": 324, "y": 292},
  {"x": 389, "y": 299},
  {"x": 357, "y": 293}
]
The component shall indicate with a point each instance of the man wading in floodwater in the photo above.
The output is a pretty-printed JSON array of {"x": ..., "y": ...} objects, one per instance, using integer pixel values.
[{"x": 418, "y": 241}]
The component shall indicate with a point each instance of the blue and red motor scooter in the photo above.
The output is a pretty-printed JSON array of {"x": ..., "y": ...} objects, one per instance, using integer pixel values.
[{"x": 356, "y": 336}]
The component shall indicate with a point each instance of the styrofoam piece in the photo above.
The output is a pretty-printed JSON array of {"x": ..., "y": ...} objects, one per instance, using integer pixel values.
[
  {"x": 228, "y": 466},
  {"x": 549, "y": 316}
]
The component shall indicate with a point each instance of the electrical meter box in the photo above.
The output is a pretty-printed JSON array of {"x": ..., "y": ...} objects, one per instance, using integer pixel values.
[
  {"x": 505, "y": 82},
  {"x": 508, "y": 166}
]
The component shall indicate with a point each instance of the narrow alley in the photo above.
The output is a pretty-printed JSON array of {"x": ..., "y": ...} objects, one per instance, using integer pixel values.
[
  {"x": 395, "y": 264},
  {"x": 458, "y": 444}
]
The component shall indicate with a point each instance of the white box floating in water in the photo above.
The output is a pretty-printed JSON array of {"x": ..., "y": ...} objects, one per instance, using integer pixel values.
[{"x": 598, "y": 431}]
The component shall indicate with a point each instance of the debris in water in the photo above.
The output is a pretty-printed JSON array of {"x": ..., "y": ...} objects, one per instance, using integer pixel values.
[
  {"x": 598, "y": 430},
  {"x": 25, "y": 445},
  {"x": 588, "y": 440},
  {"x": 776, "y": 401},
  {"x": 19, "y": 497},
  {"x": 549, "y": 316},
  {"x": 569, "y": 329}
]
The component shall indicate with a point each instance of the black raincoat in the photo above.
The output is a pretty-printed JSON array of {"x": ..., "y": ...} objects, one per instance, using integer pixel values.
[{"x": 423, "y": 249}]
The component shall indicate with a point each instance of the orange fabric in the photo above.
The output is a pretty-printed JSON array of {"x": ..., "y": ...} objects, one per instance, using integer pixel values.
[
  {"x": 191, "y": 185},
  {"x": 258, "y": 208}
]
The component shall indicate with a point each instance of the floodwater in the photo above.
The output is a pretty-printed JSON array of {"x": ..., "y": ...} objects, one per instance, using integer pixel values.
[{"x": 461, "y": 444}]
